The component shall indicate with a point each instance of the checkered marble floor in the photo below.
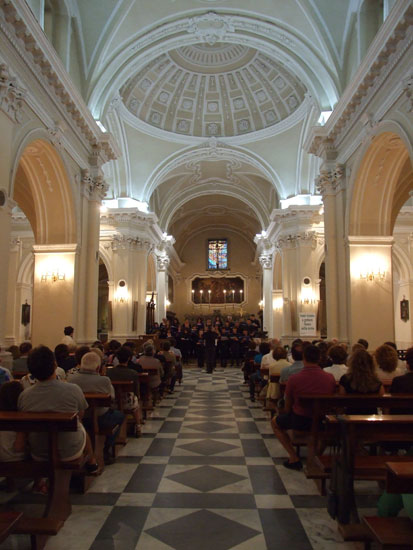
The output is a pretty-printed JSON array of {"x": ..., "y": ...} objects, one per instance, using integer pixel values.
[{"x": 206, "y": 475}]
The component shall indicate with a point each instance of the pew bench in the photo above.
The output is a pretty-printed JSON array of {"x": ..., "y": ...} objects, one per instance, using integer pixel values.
[
  {"x": 399, "y": 476},
  {"x": 58, "y": 506},
  {"x": 391, "y": 533}
]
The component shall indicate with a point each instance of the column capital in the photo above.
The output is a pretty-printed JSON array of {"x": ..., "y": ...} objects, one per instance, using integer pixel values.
[
  {"x": 162, "y": 262},
  {"x": 329, "y": 182},
  {"x": 93, "y": 187},
  {"x": 125, "y": 242},
  {"x": 11, "y": 95},
  {"x": 266, "y": 260}
]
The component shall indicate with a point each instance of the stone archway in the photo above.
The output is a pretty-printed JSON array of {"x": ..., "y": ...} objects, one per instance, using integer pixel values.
[
  {"x": 381, "y": 186},
  {"x": 42, "y": 190}
]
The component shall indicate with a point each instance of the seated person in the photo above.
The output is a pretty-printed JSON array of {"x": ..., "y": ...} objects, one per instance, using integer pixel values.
[
  {"x": 52, "y": 395},
  {"x": 89, "y": 380},
  {"x": 169, "y": 377},
  {"x": 360, "y": 379},
  {"x": 387, "y": 363},
  {"x": 12, "y": 444},
  {"x": 338, "y": 355},
  {"x": 68, "y": 338},
  {"x": 404, "y": 384},
  {"x": 311, "y": 379},
  {"x": 296, "y": 366},
  {"x": 390, "y": 504},
  {"x": 123, "y": 372},
  {"x": 147, "y": 360},
  {"x": 64, "y": 359},
  {"x": 279, "y": 362},
  {"x": 20, "y": 364},
  {"x": 256, "y": 377},
  {"x": 79, "y": 353}
]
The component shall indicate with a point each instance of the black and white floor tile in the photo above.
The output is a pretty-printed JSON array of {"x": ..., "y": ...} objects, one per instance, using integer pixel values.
[{"x": 206, "y": 475}]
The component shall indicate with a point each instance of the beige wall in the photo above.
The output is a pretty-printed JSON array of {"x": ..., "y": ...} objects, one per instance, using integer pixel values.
[{"x": 241, "y": 256}]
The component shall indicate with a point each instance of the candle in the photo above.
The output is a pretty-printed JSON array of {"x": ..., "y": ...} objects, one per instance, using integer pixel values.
[
  {"x": 201, "y": 293},
  {"x": 225, "y": 296},
  {"x": 209, "y": 296}
]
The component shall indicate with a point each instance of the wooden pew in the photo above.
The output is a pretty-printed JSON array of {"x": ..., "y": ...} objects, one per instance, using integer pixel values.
[
  {"x": 97, "y": 436},
  {"x": 58, "y": 506},
  {"x": 121, "y": 387},
  {"x": 319, "y": 467},
  {"x": 399, "y": 476},
  {"x": 391, "y": 533}
]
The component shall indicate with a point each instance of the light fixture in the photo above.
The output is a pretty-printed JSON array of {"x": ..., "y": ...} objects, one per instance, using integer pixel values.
[
  {"x": 167, "y": 303},
  {"x": 278, "y": 303},
  {"x": 52, "y": 276},
  {"x": 121, "y": 292},
  {"x": 261, "y": 304},
  {"x": 370, "y": 275}
]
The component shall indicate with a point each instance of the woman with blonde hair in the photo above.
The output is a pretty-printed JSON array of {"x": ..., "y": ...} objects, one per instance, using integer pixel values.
[
  {"x": 387, "y": 362},
  {"x": 361, "y": 378}
]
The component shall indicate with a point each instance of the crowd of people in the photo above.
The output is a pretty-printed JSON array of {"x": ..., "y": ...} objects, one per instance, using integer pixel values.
[
  {"x": 212, "y": 341},
  {"x": 317, "y": 367}
]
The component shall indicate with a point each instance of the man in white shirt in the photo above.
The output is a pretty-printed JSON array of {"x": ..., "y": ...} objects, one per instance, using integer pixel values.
[{"x": 68, "y": 338}]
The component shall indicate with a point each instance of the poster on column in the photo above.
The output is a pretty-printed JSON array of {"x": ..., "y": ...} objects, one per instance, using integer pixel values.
[{"x": 308, "y": 324}]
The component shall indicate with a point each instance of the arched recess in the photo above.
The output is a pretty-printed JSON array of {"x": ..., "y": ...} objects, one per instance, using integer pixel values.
[
  {"x": 42, "y": 189},
  {"x": 381, "y": 186}
]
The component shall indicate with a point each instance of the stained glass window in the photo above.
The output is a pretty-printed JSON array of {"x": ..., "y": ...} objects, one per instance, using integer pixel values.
[{"x": 217, "y": 254}]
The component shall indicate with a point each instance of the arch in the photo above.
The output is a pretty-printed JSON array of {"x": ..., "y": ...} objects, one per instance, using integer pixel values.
[
  {"x": 42, "y": 189},
  {"x": 381, "y": 186},
  {"x": 401, "y": 263},
  {"x": 213, "y": 150},
  {"x": 266, "y": 36},
  {"x": 26, "y": 270},
  {"x": 104, "y": 256}
]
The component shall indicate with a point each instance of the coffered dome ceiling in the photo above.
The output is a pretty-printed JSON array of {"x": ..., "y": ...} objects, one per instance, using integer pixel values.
[{"x": 213, "y": 90}]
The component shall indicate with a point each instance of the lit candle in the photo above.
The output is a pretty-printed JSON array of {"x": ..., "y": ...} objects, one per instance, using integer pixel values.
[
  {"x": 225, "y": 296},
  {"x": 240, "y": 295},
  {"x": 201, "y": 293},
  {"x": 233, "y": 294},
  {"x": 209, "y": 296}
]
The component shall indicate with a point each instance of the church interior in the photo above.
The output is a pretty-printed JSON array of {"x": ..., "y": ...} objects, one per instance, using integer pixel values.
[{"x": 167, "y": 161}]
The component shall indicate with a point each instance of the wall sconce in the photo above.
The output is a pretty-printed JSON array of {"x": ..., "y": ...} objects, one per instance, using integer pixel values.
[
  {"x": 277, "y": 304},
  {"x": 378, "y": 275},
  {"x": 261, "y": 304},
  {"x": 52, "y": 276},
  {"x": 121, "y": 292},
  {"x": 167, "y": 303}
]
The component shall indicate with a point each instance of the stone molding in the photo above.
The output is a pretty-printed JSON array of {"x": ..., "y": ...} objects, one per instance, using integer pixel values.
[
  {"x": 11, "y": 95},
  {"x": 18, "y": 24},
  {"x": 305, "y": 238},
  {"x": 389, "y": 46}
]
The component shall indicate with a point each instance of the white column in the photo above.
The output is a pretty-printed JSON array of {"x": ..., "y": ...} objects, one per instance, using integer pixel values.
[
  {"x": 278, "y": 306},
  {"x": 93, "y": 191},
  {"x": 266, "y": 261},
  {"x": 13, "y": 309},
  {"x": 6, "y": 206},
  {"x": 130, "y": 260},
  {"x": 162, "y": 263}
]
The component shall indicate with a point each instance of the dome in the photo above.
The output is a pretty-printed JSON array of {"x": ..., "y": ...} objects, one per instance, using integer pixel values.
[{"x": 216, "y": 90}]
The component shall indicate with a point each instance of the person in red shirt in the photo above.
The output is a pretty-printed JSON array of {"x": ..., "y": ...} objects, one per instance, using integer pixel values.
[{"x": 311, "y": 379}]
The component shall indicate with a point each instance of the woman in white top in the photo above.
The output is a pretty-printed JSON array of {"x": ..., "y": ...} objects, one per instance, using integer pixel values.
[
  {"x": 279, "y": 361},
  {"x": 339, "y": 356},
  {"x": 387, "y": 362}
]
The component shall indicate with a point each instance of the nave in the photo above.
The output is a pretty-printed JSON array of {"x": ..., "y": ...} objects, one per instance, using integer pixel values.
[{"x": 207, "y": 474}]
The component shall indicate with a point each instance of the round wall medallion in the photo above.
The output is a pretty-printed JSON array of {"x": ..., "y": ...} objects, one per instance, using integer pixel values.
[{"x": 306, "y": 281}]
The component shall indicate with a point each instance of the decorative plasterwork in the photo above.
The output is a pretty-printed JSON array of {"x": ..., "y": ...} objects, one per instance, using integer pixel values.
[
  {"x": 93, "y": 187},
  {"x": 211, "y": 27},
  {"x": 389, "y": 46},
  {"x": 18, "y": 24},
  {"x": 11, "y": 95},
  {"x": 305, "y": 238},
  {"x": 162, "y": 262},
  {"x": 266, "y": 261},
  {"x": 329, "y": 182},
  {"x": 123, "y": 242}
]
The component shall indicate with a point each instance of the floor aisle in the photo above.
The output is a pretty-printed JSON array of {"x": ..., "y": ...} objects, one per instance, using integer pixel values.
[{"x": 206, "y": 475}]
